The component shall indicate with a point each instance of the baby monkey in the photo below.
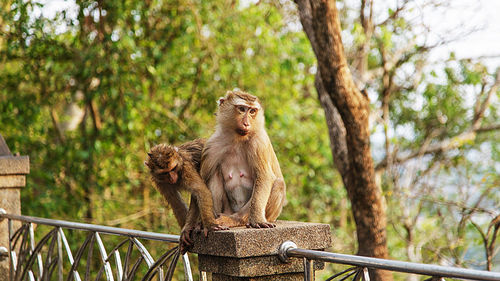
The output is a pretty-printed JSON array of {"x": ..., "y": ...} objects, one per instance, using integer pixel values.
[{"x": 177, "y": 168}]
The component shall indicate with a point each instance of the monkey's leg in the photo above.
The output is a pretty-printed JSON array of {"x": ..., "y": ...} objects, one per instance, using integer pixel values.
[
  {"x": 259, "y": 200},
  {"x": 276, "y": 200},
  {"x": 274, "y": 207}
]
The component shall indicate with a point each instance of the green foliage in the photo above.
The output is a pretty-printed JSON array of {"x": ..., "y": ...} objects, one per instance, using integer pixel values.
[
  {"x": 86, "y": 95},
  {"x": 87, "y": 92}
]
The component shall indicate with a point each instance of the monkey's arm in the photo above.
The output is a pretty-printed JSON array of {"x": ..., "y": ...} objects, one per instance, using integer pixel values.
[
  {"x": 174, "y": 199},
  {"x": 215, "y": 185},
  {"x": 203, "y": 198},
  {"x": 178, "y": 206},
  {"x": 191, "y": 222}
]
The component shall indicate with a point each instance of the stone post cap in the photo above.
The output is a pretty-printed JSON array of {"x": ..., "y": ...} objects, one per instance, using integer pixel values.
[
  {"x": 243, "y": 242},
  {"x": 14, "y": 165}
]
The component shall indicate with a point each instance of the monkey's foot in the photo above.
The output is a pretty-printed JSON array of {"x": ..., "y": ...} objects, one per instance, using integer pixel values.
[
  {"x": 260, "y": 225},
  {"x": 213, "y": 227}
]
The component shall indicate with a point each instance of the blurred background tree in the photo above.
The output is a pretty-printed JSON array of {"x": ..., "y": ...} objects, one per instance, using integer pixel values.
[{"x": 86, "y": 90}]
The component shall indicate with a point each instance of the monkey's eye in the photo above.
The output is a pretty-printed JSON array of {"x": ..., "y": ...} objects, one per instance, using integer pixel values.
[
  {"x": 253, "y": 111},
  {"x": 241, "y": 109}
]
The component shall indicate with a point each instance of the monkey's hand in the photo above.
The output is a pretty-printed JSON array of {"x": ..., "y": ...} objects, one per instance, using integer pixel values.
[
  {"x": 186, "y": 241},
  {"x": 259, "y": 224}
]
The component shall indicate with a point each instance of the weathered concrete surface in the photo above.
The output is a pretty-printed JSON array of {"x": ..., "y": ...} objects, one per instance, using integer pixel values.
[
  {"x": 280, "y": 277},
  {"x": 12, "y": 178},
  {"x": 250, "y": 242},
  {"x": 253, "y": 266},
  {"x": 9, "y": 181},
  {"x": 251, "y": 254},
  {"x": 14, "y": 165}
]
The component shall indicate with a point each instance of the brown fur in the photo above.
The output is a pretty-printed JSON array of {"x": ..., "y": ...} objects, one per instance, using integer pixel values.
[
  {"x": 253, "y": 155},
  {"x": 184, "y": 163}
]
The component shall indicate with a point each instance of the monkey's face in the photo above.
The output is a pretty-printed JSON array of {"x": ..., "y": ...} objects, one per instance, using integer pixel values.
[
  {"x": 170, "y": 175},
  {"x": 241, "y": 112},
  {"x": 165, "y": 163},
  {"x": 245, "y": 118}
]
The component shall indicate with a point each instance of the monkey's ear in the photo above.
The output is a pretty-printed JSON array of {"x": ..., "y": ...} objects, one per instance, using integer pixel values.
[{"x": 220, "y": 101}]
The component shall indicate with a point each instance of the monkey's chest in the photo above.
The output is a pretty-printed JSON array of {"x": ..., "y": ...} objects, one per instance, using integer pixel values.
[{"x": 238, "y": 181}]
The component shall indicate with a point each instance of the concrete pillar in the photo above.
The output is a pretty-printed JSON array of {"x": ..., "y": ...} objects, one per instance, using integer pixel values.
[
  {"x": 252, "y": 254},
  {"x": 13, "y": 171}
]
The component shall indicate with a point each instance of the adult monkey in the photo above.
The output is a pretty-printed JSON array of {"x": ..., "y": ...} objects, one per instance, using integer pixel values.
[{"x": 240, "y": 167}]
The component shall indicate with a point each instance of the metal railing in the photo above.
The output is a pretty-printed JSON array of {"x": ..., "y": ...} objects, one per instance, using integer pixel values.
[
  {"x": 37, "y": 261},
  {"x": 360, "y": 264}
]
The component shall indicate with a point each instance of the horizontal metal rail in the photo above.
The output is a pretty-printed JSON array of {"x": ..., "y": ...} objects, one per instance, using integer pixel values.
[
  {"x": 97, "y": 228},
  {"x": 392, "y": 265}
]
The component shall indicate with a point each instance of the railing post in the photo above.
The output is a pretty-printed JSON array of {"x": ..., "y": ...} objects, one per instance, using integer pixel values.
[
  {"x": 13, "y": 171},
  {"x": 252, "y": 254}
]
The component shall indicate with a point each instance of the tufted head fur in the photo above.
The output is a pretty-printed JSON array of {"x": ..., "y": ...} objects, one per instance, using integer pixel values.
[{"x": 165, "y": 163}]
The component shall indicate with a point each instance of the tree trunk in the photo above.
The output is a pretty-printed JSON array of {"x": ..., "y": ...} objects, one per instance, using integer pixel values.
[{"x": 320, "y": 21}]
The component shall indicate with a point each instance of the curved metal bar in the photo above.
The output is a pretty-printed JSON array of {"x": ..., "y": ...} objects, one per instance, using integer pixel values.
[
  {"x": 147, "y": 256},
  {"x": 70, "y": 255},
  {"x": 48, "y": 258},
  {"x": 51, "y": 268},
  {"x": 31, "y": 260},
  {"x": 11, "y": 251},
  {"x": 96, "y": 228},
  {"x": 59, "y": 257},
  {"x": 23, "y": 248},
  {"x": 341, "y": 273},
  {"x": 399, "y": 266},
  {"x": 127, "y": 259},
  {"x": 358, "y": 275},
  {"x": 308, "y": 269},
  {"x": 119, "y": 267},
  {"x": 144, "y": 252},
  {"x": 188, "y": 274},
  {"x": 172, "y": 265},
  {"x": 90, "y": 253},
  {"x": 348, "y": 275},
  {"x": 366, "y": 275},
  {"x": 104, "y": 257},
  {"x": 161, "y": 260},
  {"x": 32, "y": 244},
  {"x": 15, "y": 236},
  {"x": 78, "y": 256},
  {"x": 135, "y": 267}
]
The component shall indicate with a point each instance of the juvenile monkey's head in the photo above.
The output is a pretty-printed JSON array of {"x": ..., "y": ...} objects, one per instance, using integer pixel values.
[
  {"x": 241, "y": 113},
  {"x": 164, "y": 163}
]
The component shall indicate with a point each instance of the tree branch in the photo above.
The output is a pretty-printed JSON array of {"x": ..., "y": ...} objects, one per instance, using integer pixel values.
[
  {"x": 57, "y": 127},
  {"x": 336, "y": 129},
  {"x": 479, "y": 114},
  {"x": 442, "y": 146}
]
